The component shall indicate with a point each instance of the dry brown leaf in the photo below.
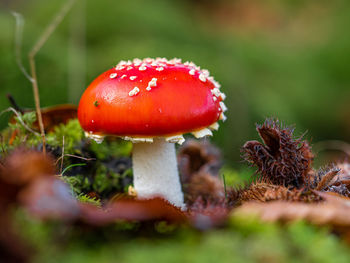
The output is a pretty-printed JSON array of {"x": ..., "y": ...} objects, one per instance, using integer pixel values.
[
  {"x": 343, "y": 177},
  {"x": 132, "y": 210},
  {"x": 204, "y": 214},
  {"x": 17, "y": 171},
  {"x": 22, "y": 166},
  {"x": 210, "y": 188},
  {"x": 54, "y": 115},
  {"x": 334, "y": 211},
  {"x": 51, "y": 116}
]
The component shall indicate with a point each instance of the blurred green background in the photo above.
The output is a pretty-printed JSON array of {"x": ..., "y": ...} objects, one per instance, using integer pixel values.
[{"x": 288, "y": 59}]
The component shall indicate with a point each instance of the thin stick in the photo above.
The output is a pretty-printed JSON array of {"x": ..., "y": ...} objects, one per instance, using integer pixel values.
[
  {"x": 14, "y": 103},
  {"x": 62, "y": 156},
  {"x": 75, "y": 156},
  {"x": 41, "y": 41},
  {"x": 20, "y": 120},
  {"x": 225, "y": 189},
  {"x": 37, "y": 101}
]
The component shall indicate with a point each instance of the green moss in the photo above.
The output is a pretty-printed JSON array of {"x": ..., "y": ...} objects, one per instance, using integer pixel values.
[
  {"x": 90, "y": 200},
  {"x": 111, "y": 148},
  {"x": 72, "y": 134},
  {"x": 105, "y": 180},
  {"x": 246, "y": 240},
  {"x": 20, "y": 132},
  {"x": 78, "y": 183},
  {"x": 252, "y": 242}
]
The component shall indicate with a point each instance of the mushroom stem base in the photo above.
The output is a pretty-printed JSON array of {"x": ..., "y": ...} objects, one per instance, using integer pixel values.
[{"x": 155, "y": 171}]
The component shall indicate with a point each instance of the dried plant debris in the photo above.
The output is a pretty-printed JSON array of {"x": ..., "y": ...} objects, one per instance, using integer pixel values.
[
  {"x": 102, "y": 168},
  {"x": 17, "y": 172},
  {"x": 155, "y": 209},
  {"x": 23, "y": 165},
  {"x": 281, "y": 158},
  {"x": 321, "y": 180},
  {"x": 333, "y": 212},
  {"x": 199, "y": 165},
  {"x": 333, "y": 178},
  {"x": 204, "y": 214},
  {"x": 31, "y": 178},
  {"x": 264, "y": 192},
  {"x": 343, "y": 177},
  {"x": 52, "y": 116},
  {"x": 99, "y": 197},
  {"x": 198, "y": 156},
  {"x": 206, "y": 186}
]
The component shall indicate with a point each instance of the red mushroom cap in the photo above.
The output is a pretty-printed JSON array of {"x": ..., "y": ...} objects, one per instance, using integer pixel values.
[{"x": 149, "y": 98}]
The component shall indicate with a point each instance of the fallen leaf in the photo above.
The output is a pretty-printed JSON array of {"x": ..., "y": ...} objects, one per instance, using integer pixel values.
[
  {"x": 54, "y": 115},
  {"x": 23, "y": 166},
  {"x": 343, "y": 177},
  {"x": 204, "y": 214},
  {"x": 210, "y": 188},
  {"x": 154, "y": 209},
  {"x": 334, "y": 212}
]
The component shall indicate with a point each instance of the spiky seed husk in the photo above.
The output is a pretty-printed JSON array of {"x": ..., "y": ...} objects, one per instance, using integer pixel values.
[
  {"x": 265, "y": 192},
  {"x": 281, "y": 158}
]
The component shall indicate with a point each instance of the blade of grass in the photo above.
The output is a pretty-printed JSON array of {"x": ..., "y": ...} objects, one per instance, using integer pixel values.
[
  {"x": 71, "y": 166},
  {"x": 224, "y": 180}
]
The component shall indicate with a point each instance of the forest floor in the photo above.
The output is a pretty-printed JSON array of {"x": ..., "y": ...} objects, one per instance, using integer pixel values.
[{"x": 75, "y": 203}]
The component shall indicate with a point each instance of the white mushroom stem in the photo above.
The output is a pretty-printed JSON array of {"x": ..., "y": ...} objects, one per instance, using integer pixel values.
[{"x": 155, "y": 171}]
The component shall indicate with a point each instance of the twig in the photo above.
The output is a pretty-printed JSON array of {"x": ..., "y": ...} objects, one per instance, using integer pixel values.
[
  {"x": 37, "y": 101},
  {"x": 20, "y": 120},
  {"x": 37, "y": 46},
  {"x": 14, "y": 103},
  {"x": 225, "y": 188},
  {"x": 75, "y": 156},
  {"x": 62, "y": 156}
]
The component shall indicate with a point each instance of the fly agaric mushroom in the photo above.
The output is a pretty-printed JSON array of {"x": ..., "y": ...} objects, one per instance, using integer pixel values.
[{"x": 153, "y": 102}]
